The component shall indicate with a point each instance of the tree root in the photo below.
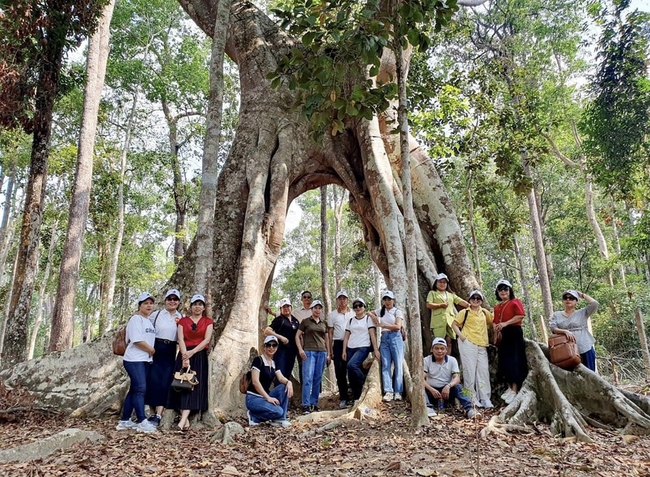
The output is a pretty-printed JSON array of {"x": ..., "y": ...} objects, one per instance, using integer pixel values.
[{"x": 570, "y": 401}]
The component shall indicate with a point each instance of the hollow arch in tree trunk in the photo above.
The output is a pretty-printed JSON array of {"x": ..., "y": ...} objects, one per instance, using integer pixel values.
[{"x": 272, "y": 161}]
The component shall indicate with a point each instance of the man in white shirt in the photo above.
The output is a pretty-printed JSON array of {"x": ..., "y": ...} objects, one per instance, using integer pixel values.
[
  {"x": 337, "y": 320},
  {"x": 442, "y": 380}
]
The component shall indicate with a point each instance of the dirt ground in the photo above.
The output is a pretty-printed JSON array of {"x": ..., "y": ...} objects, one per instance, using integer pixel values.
[{"x": 381, "y": 446}]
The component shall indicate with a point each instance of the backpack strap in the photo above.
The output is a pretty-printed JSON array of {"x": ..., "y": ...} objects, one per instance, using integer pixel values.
[
  {"x": 464, "y": 320},
  {"x": 156, "y": 318}
]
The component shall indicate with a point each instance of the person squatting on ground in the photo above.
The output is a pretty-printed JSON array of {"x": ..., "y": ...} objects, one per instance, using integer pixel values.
[
  {"x": 313, "y": 345},
  {"x": 470, "y": 326},
  {"x": 442, "y": 380},
  {"x": 140, "y": 339},
  {"x": 337, "y": 321},
  {"x": 161, "y": 372},
  {"x": 284, "y": 327},
  {"x": 391, "y": 348},
  {"x": 441, "y": 301},
  {"x": 264, "y": 404},
  {"x": 194, "y": 335},
  {"x": 508, "y": 315},
  {"x": 360, "y": 339},
  {"x": 575, "y": 325}
]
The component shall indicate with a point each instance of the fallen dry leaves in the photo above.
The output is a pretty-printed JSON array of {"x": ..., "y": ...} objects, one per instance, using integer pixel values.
[{"x": 385, "y": 446}]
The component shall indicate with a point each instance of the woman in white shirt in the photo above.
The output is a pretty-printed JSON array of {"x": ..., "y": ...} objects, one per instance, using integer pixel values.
[
  {"x": 360, "y": 338},
  {"x": 389, "y": 319},
  {"x": 161, "y": 373},
  {"x": 140, "y": 339}
]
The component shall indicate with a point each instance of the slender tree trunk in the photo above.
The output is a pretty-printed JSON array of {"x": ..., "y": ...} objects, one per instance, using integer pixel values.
[
  {"x": 477, "y": 260},
  {"x": 15, "y": 339},
  {"x": 643, "y": 340},
  {"x": 338, "y": 219},
  {"x": 117, "y": 247},
  {"x": 43, "y": 297},
  {"x": 7, "y": 307},
  {"x": 419, "y": 412},
  {"x": 524, "y": 286},
  {"x": 6, "y": 231},
  {"x": 178, "y": 186},
  {"x": 324, "y": 269},
  {"x": 538, "y": 240},
  {"x": 210, "y": 169},
  {"x": 63, "y": 317}
]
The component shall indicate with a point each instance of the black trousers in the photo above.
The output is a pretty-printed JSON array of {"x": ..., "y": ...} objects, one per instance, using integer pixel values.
[{"x": 340, "y": 369}]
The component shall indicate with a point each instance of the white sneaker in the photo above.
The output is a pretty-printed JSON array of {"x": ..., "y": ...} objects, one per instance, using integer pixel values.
[
  {"x": 398, "y": 396},
  {"x": 125, "y": 425},
  {"x": 510, "y": 397},
  {"x": 478, "y": 404},
  {"x": 146, "y": 426},
  {"x": 343, "y": 404},
  {"x": 250, "y": 420},
  {"x": 281, "y": 423},
  {"x": 472, "y": 413},
  {"x": 487, "y": 404},
  {"x": 431, "y": 412},
  {"x": 388, "y": 397}
]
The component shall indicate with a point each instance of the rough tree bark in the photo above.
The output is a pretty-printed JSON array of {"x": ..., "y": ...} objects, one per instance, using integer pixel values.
[
  {"x": 271, "y": 162},
  {"x": 63, "y": 317}
]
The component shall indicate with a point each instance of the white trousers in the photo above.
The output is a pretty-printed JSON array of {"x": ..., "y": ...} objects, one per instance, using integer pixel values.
[{"x": 476, "y": 371}]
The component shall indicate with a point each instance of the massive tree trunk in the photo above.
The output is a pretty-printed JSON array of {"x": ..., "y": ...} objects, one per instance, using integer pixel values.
[
  {"x": 63, "y": 318},
  {"x": 271, "y": 162}
]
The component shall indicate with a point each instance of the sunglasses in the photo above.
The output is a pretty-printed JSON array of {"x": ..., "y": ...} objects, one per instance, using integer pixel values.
[
  {"x": 173, "y": 299},
  {"x": 271, "y": 345},
  {"x": 357, "y": 305},
  {"x": 569, "y": 298},
  {"x": 194, "y": 327},
  {"x": 476, "y": 298},
  {"x": 306, "y": 297}
]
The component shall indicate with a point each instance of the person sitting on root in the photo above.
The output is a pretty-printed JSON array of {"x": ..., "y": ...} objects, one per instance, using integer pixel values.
[
  {"x": 442, "y": 380},
  {"x": 264, "y": 404}
]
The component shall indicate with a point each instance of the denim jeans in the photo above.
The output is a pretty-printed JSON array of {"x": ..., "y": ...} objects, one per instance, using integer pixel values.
[
  {"x": 312, "y": 375},
  {"x": 356, "y": 357},
  {"x": 392, "y": 354},
  {"x": 137, "y": 371},
  {"x": 454, "y": 393},
  {"x": 340, "y": 369},
  {"x": 589, "y": 359},
  {"x": 261, "y": 410}
]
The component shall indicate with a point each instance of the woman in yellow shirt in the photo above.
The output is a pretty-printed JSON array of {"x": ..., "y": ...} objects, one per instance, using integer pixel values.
[
  {"x": 441, "y": 301},
  {"x": 470, "y": 326}
]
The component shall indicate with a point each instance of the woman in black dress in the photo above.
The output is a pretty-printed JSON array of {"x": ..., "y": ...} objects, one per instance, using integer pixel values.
[{"x": 194, "y": 334}]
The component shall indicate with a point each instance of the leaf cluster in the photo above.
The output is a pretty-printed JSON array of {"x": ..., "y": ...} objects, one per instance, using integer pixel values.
[{"x": 335, "y": 68}]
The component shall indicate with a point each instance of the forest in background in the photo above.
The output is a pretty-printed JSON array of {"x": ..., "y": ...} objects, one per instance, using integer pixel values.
[{"x": 516, "y": 98}]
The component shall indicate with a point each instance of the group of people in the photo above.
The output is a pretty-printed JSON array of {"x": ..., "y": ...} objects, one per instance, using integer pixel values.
[
  {"x": 469, "y": 327},
  {"x": 159, "y": 344},
  {"x": 163, "y": 342}
]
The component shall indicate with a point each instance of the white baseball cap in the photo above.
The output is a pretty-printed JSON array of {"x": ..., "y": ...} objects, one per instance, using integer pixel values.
[
  {"x": 476, "y": 292},
  {"x": 145, "y": 296},
  {"x": 284, "y": 302},
  {"x": 388, "y": 294},
  {"x": 573, "y": 293},
  {"x": 197, "y": 297},
  {"x": 316, "y": 303},
  {"x": 342, "y": 293},
  {"x": 439, "y": 341},
  {"x": 270, "y": 338},
  {"x": 503, "y": 281},
  {"x": 173, "y": 291}
]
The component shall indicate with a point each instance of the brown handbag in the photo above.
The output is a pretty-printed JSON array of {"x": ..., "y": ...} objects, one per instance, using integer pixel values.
[
  {"x": 564, "y": 353},
  {"x": 119, "y": 342}
]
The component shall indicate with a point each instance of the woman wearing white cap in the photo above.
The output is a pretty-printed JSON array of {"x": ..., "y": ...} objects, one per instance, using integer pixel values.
[
  {"x": 140, "y": 339},
  {"x": 391, "y": 348},
  {"x": 264, "y": 404},
  {"x": 360, "y": 339},
  {"x": 194, "y": 334},
  {"x": 312, "y": 341},
  {"x": 508, "y": 316},
  {"x": 284, "y": 327},
  {"x": 470, "y": 326},
  {"x": 162, "y": 369},
  {"x": 441, "y": 301},
  {"x": 575, "y": 325}
]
